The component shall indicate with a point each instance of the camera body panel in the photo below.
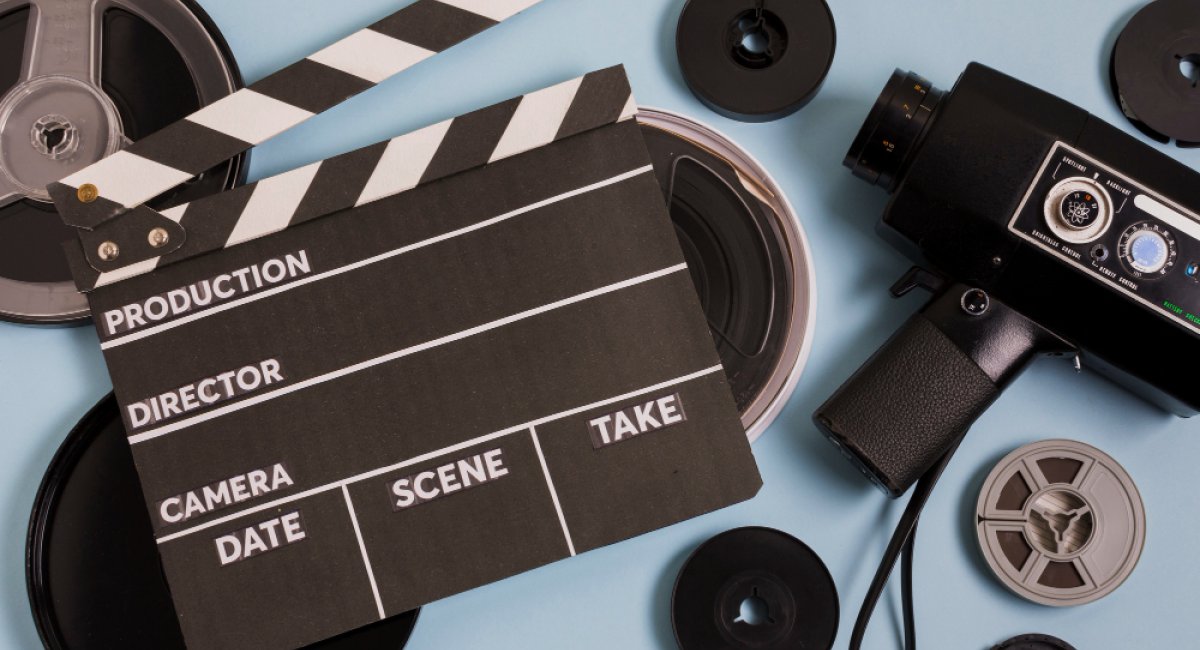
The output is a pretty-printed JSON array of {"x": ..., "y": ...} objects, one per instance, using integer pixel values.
[{"x": 976, "y": 167}]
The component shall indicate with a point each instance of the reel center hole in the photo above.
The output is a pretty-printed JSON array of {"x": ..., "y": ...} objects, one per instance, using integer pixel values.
[
  {"x": 757, "y": 39},
  {"x": 754, "y": 611},
  {"x": 1189, "y": 67},
  {"x": 754, "y": 40},
  {"x": 1060, "y": 522},
  {"x": 55, "y": 137}
]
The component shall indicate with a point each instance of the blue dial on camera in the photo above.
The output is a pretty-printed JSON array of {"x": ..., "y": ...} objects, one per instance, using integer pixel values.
[{"x": 1148, "y": 249}]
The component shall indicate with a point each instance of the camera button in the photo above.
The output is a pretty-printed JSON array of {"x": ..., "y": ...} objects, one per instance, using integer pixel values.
[{"x": 975, "y": 302}]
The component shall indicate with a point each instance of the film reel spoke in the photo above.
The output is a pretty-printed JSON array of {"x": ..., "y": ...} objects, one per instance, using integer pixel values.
[
  {"x": 1004, "y": 520},
  {"x": 1088, "y": 571},
  {"x": 1016, "y": 525},
  {"x": 1086, "y": 476},
  {"x": 64, "y": 39},
  {"x": 1034, "y": 473},
  {"x": 9, "y": 192},
  {"x": 1035, "y": 567}
]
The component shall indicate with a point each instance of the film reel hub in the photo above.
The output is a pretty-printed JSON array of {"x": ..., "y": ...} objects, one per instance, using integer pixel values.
[
  {"x": 1059, "y": 522},
  {"x": 756, "y": 610},
  {"x": 51, "y": 127},
  {"x": 757, "y": 39}
]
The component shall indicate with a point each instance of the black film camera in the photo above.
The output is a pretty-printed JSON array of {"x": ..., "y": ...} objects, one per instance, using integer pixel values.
[{"x": 1051, "y": 232}]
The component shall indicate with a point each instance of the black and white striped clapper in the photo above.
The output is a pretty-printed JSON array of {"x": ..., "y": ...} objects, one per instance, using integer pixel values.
[{"x": 410, "y": 370}]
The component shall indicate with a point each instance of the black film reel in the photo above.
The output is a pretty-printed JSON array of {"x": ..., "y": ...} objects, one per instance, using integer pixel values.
[
  {"x": 92, "y": 568},
  {"x": 1156, "y": 71},
  {"x": 1034, "y": 642},
  {"x": 747, "y": 569},
  {"x": 753, "y": 60}
]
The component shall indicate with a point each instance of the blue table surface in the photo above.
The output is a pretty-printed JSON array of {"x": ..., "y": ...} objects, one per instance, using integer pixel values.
[{"x": 619, "y": 597}]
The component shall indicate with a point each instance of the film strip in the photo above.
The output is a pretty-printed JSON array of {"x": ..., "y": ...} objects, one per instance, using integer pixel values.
[
  {"x": 126, "y": 180},
  {"x": 369, "y": 174}
]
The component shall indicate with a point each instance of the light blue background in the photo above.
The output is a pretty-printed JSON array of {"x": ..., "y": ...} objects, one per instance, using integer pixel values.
[{"x": 619, "y": 597}]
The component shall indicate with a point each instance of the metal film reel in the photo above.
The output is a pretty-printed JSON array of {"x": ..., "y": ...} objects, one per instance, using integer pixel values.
[{"x": 79, "y": 79}]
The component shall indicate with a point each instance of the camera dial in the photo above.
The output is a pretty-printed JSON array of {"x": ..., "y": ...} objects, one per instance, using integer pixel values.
[
  {"x": 1079, "y": 210},
  {"x": 1148, "y": 249}
]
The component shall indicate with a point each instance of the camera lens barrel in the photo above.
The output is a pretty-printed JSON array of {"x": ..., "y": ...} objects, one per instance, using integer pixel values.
[{"x": 893, "y": 129}]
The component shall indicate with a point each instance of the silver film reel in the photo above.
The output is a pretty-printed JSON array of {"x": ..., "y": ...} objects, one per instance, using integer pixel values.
[{"x": 79, "y": 80}]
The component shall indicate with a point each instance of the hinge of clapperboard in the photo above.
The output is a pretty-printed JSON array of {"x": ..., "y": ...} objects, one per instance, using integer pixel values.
[{"x": 120, "y": 237}]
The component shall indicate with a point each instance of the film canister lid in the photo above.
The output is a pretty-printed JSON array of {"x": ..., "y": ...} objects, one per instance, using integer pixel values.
[
  {"x": 755, "y": 60},
  {"x": 1034, "y": 642},
  {"x": 1156, "y": 71}
]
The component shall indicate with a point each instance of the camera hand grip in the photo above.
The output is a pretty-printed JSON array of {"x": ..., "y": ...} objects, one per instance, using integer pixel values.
[{"x": 899, "y": 413}]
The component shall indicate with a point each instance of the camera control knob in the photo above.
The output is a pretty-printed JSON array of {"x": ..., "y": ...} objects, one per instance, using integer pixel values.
[
  {"x": 1079, "y": 210},
  {"x": 1148, "y": 249}
]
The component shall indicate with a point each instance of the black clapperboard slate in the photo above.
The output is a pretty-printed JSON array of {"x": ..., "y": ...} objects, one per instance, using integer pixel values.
[{"x": 416, "y": 368}]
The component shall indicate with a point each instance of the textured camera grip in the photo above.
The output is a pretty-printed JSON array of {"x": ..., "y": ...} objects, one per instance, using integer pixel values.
[{"x": 900, "y": 412}]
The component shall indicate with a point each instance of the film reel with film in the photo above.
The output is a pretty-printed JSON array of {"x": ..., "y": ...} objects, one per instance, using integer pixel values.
[
  {"x": 1060, "y": 523},
  {"x": 748, "y": 256},
  {"x": 79, "y": 80}
]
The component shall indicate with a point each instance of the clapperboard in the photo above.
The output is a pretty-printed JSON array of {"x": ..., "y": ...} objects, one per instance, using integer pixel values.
[{"x": 406, "y": 371}]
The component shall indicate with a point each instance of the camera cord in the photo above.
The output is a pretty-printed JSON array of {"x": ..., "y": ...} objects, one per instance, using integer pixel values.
[
  {"x": 901, "y": 544},
  {"x": 906, "y": 594}
]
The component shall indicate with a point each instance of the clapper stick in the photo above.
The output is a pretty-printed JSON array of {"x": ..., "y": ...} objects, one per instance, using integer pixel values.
[
  {"x": 379, "y": 171},
  {"x": 253, "y": 115}
]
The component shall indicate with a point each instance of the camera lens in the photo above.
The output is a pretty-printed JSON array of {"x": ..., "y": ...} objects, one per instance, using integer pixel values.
[{"x": 900, "y": 116}]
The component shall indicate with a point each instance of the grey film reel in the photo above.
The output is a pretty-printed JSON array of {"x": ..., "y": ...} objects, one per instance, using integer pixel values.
[{"x": 1060, "y": 523}]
